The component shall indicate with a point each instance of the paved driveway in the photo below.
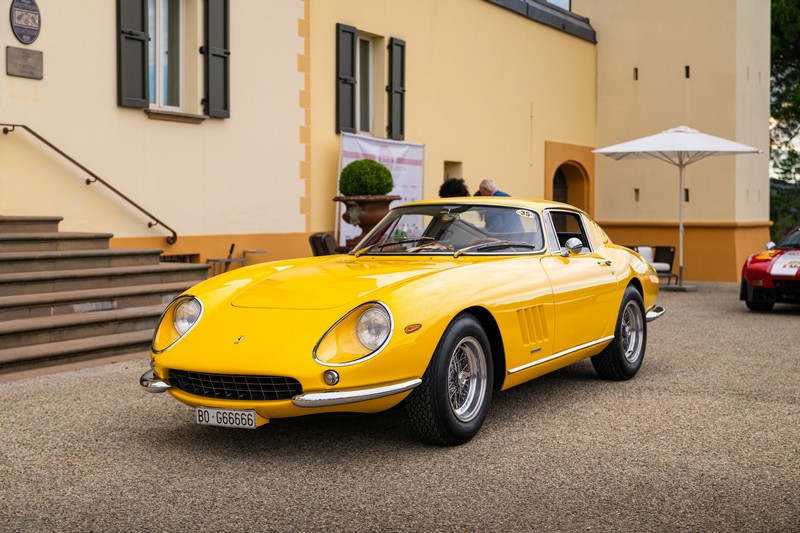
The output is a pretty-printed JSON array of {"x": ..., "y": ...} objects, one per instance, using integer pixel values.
[{"x": 704, "y": 438}]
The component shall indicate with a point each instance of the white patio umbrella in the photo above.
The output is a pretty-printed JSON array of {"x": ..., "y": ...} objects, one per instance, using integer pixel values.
[{"x": 681, "y": 147}]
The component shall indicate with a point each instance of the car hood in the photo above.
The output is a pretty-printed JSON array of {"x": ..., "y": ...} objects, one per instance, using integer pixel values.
[
  {"x": 334, "y": 282},
  {"x": 786, "y": 263}
]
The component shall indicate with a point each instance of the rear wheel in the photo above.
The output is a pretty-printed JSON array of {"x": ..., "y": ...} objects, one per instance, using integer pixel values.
[
  {"x": 623, "y": 357},
  {"x": 450, "y": 405}
]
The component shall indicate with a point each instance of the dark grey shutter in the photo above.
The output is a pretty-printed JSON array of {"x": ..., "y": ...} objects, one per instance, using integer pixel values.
[
  {"x": 345, "y": 78},
  {"x": 132, "y": 54},
  {"x": 397, "y": 89},
  {"x": 217, "y": 101}
]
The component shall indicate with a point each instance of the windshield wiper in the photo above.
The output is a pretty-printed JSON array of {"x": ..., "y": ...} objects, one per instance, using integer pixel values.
[
  {"x": 495, "y": 244},
  {"x": 379, "y": 245}
]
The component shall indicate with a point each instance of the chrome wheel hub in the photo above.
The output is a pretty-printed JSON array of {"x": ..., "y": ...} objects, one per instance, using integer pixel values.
[
  {"x": 632, "y": 332},
  {"x": 466, "y": 379}
]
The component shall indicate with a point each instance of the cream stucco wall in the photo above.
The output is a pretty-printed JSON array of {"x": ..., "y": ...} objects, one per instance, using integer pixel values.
[
  {"x": 238, "y": 175},
  {"x": 726, "y": 45},
  {"x": 484, "y": 87}
]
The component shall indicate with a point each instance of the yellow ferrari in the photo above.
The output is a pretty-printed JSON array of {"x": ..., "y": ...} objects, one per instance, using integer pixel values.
[{"x": 441, "y": 304}]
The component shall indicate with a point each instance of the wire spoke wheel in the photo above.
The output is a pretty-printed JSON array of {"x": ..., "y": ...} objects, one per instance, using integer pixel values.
[
  {"x": 466, "y": 378},
  {"x": 631, "y": 331},
  {"x": 623, "y": 356},
  {"x": 450, "y": 405}
]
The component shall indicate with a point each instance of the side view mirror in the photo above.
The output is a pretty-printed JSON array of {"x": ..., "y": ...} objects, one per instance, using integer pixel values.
[
  {"x": 573, "y": 245},
  {"x": 770, "y": 245}
]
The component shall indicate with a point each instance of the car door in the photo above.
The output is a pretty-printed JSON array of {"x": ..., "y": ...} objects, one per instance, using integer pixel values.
[{"x": 584, "y": 284}]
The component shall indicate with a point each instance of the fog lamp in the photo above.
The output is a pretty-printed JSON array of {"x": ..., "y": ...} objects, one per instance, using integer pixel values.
[{"x": 331, "y": 377}]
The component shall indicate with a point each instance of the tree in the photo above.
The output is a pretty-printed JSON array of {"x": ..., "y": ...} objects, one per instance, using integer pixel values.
[{"x": 785, "y": 111}]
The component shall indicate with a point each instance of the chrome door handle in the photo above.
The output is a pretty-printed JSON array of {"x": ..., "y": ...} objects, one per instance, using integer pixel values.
[{"x": 607, "y": 262}]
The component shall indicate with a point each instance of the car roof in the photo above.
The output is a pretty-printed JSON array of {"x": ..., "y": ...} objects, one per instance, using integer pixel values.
[{"x": 530, "y": 203}]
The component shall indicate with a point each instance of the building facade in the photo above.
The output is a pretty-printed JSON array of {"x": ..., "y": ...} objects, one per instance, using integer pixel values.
[{"x": 222, "y": 119}]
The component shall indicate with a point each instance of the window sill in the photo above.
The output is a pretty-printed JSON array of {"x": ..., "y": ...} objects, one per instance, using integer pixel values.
[{"x": 174, "y": 116}]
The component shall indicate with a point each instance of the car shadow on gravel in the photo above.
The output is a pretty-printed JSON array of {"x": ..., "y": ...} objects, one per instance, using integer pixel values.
[{"x": 366, "y": 434}]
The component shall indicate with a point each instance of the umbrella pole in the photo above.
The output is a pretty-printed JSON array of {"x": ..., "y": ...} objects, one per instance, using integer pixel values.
[{"x": 680, "y": 228}]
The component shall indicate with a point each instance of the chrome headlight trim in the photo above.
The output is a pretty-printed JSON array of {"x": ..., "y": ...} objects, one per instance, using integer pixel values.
[
  {"x": 169, "y": 312},
  {"x": 369, "y": 355}
]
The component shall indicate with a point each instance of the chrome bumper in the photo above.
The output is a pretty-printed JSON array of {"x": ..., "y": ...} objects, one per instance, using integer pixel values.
[
  {"x": 320, "y": 399},
  {"x": 326, "y": 399},
  {"x": 655, "y": 312},
  {"x": 151, "y": 383}
]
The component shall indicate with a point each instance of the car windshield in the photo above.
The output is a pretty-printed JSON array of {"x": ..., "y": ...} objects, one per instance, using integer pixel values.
[
  {"x": 455, "y": 230},
  {"x": 791, "y": 240}
]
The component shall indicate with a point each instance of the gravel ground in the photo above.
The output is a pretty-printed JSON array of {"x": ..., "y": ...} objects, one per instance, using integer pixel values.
[{"x": 705, "y": 438}]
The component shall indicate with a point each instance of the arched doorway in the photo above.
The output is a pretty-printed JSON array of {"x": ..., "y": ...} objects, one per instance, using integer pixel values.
[
  {"x": 570, "y": 185},
  {"x": 570, "y": 169}
]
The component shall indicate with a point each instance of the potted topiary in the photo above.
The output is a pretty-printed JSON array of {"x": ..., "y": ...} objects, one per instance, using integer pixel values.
[{"x": 365, "y": 185}]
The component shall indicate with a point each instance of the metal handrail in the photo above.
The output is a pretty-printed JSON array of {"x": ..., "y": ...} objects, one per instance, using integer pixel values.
[{"x": 154, "y": 221}]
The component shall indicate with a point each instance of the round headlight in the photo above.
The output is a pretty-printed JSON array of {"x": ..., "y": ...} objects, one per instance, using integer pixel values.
[
  {"x": 187, "y": 313},
  {"x": 178, "y": 319},
  {"x": 373, "y": 327}
]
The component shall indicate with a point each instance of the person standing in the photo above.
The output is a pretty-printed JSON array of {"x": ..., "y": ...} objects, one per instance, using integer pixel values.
[
  {"x": 489, "y": 188},
  {"x": 453, "y": 187}
]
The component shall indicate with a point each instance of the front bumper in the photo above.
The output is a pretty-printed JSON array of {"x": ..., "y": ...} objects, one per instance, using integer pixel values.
[
  {"x": 330, "y": 398},
  {"x": 655, "y": 312},
  {"x": 151, "y": 383}
]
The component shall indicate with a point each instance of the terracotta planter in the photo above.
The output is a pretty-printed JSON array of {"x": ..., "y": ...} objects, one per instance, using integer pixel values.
[{"x": 364, "y": 212}]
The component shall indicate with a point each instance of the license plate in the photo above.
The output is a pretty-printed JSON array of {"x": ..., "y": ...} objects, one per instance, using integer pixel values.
[{"x": 228, "y": 418}]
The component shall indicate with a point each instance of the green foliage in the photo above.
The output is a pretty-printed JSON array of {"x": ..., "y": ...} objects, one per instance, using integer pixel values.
[
  {"x": 785, "y": 111},
  {"x": 784, "y": 208},
  {"x": 785, "y": 92},
  {"x": 365, "y": 177}
]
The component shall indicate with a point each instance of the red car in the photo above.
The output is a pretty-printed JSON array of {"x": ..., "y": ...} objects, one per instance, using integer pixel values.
[{"x": 773, "y": 276}]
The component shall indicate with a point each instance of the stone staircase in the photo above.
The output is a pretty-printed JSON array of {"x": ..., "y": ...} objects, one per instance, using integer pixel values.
[{"x": 68, "y": 296}]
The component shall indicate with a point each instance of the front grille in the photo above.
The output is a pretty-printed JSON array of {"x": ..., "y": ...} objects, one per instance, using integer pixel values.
[
  {"x": 788, "y": 289},
  {"x": 235, "y": 386}
]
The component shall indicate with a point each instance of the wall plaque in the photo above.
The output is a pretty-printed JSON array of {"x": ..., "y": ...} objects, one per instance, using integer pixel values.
[
  {"x": 24, "y": 63},
  {"x": 26, "y": 20}
]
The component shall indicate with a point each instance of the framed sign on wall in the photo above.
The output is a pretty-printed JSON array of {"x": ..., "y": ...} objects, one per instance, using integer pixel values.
[{"x": 26, "y": 20}]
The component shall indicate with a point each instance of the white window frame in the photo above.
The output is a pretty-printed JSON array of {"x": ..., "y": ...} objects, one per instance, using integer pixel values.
[{"x": 156, "y": 55}]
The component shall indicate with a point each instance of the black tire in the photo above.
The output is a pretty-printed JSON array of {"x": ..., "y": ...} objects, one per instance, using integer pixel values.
[
  {"x": 623, "y": 357},
  {"x": 450, "y": 405},
  {"x": 761, "y": 305}
]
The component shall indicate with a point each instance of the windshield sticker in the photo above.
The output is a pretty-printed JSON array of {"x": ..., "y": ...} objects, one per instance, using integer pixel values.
[{"x": 524, "y": 213}]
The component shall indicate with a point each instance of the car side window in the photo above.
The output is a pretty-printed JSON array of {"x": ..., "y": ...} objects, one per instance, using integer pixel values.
[{"x": 568, "y": 224}]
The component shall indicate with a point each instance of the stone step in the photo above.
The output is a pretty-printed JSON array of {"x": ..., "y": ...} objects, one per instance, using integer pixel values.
[
  {"x": 51, "y": 242},
  {"x": 28, "y": 224},
  {"x": 62, "y": 303},
  {"x": 41, "y": 330},
  {"x": 99, "y": 278},
  {"x": 77, "y": 259},
  {"x": 53, "y": 353}
]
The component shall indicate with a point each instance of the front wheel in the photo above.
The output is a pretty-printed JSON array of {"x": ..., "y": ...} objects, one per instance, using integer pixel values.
[
  {"x": 623, "y": 357},
  {"x": 754, "y": 305},
  {"x": 449, "y": 406}
]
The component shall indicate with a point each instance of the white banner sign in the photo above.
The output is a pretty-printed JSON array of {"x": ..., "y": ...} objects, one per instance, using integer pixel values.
[{"x": 404, "y": 160}]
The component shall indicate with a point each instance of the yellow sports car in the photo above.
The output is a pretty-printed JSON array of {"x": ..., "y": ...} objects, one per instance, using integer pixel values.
[{"x": 441, "y": 304}]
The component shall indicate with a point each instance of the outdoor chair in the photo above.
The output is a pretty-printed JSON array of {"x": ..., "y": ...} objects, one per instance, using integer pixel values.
[
  {"x": 220, "y": 265},
  {"x": 661, "y": 257},
  {"x": 665, "y": 256},
  {"x": 322, "y": 244}
]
